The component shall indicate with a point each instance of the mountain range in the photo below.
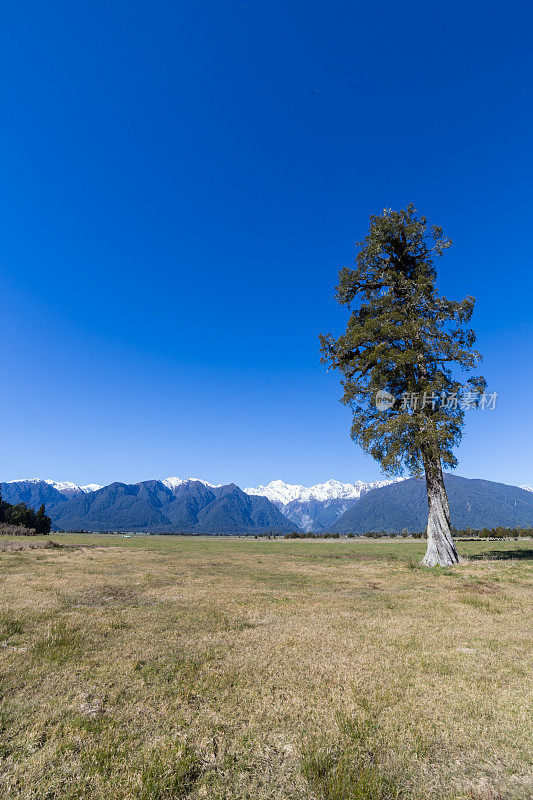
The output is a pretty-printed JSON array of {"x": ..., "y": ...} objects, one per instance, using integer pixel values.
[
  {"x": 170, "y": 506},
  {"x": 474, "y": 503},
  {"x": 192, "y": 505},
  {"x": 316, "y": 508}
]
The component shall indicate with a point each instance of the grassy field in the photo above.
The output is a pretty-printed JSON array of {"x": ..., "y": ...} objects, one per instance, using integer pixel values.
[{"x": 155, "y": 668}]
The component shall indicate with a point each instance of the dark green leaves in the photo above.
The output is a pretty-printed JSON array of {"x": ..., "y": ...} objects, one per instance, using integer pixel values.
[{"x": 402, "y": 337}]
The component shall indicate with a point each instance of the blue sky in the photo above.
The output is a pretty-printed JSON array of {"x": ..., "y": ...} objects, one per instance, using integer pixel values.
[{"x": 181, "y": 183}]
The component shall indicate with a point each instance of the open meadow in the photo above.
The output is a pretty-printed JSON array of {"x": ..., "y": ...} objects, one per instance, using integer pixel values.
[{"x": 156, "y": 668}]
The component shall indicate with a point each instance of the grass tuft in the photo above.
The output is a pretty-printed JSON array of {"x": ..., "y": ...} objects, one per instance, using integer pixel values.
[
  {"x": 59, "y": 644},
  {"x": 359, "y": 765},
  {"x": 10, "y": 625},
  {"x": 170, "y": 774}
]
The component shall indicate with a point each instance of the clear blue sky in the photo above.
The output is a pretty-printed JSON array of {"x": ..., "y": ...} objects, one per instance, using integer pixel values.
[{"x": 181, "y": 183}]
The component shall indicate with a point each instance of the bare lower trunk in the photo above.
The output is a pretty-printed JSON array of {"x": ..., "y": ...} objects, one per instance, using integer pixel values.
[{"x": 441, "y": 548}]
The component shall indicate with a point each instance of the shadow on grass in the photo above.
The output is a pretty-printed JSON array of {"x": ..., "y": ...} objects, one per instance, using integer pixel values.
[{"x": 501, "y": 555}]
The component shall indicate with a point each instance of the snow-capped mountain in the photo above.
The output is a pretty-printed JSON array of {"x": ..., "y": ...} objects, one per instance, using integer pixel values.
[
  {"x": 70, "y": 489},
  {"x": 67, "y": 488},
  {"x": 184, "y": 506},
  {"x": 173, "y": 483},
  {"x": 189, "y": 505},
  {"x": 316, "y": 508},
  {"x": 283, "y": 493},
  {"x": 278, "y": 491}
]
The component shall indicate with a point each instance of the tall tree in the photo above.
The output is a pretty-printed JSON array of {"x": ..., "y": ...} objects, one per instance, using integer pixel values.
[
  {"x": 399, "y": 357},
  {"x": 42, "y": 522}
]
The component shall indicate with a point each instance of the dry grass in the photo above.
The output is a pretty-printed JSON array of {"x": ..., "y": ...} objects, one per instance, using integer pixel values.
[
  {"x": 15, "y": 530},
  {"x": 161, "y": 668}
]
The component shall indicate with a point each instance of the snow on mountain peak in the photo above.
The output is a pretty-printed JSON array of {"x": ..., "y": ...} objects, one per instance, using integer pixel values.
[
  {"x": 278, "y": 491},
  {"x": 173, "y": 483},
  {"x": 65, "y": 487},
  {"x": 68, "y": 488},
  {"x": 283, "y": 493},
  {"x": 527, "y": 487}
]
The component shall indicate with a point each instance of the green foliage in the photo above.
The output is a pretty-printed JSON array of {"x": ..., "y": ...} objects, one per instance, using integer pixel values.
[
  {"x": 403, "y": 338},
  {"x": 24, "y": 517},
  {"x": 42, "y": 522}
]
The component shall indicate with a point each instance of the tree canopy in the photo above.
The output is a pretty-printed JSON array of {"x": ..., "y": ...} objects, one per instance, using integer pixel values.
[
  {"x": 23, "y": 516},
  {"x": 404, "y": 339}
]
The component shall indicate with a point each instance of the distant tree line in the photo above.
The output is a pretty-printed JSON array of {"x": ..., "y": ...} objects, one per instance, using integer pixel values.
[
  {"x": 20, "y": 515},
  {"x": 495, "y": 533},
  {"x": 309, "y": 535},
  {"x": 467, "y": 533}
]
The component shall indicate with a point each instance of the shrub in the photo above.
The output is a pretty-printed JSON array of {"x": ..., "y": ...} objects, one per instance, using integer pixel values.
[
  {"x": 22, "y": 516},
  {"x": 6, "y": 529}
]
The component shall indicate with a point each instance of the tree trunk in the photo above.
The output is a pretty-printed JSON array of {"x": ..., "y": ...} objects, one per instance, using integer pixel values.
[{"x": 441, "y": 549}]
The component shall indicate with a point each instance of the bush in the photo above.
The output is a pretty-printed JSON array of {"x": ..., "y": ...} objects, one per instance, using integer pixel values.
[
  {"x": 22, "y": 516},
  {"x": 6, "y": 529}
]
